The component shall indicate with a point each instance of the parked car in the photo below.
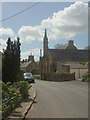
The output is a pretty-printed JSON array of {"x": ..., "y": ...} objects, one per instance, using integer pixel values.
[{"x": 29, "y": 77}]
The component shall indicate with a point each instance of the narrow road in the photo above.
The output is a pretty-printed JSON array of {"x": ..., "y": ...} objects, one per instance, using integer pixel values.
[{"x": 60, "y": 100}]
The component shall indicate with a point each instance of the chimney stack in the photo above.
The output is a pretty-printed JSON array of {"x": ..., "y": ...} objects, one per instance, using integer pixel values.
[{"x": 70, "y": 42}]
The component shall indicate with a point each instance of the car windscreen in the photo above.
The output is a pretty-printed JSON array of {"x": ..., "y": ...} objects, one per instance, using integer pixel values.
[{"x": 27, "y": 74}]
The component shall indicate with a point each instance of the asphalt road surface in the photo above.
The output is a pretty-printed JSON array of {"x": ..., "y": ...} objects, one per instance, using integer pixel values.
[{"x": 60, "y": 100}]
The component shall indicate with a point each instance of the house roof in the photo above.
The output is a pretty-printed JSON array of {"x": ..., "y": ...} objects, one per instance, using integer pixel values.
[
  {"x": 63, "y": 46},
  {"x": 65, "y": 55},
  {"x": 70, "y": 45},
  {"x": 76, "y": 66},
  {"x": 25, "y": 64}
]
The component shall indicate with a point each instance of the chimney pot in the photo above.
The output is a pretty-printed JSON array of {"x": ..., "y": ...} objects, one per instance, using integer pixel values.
[{"x": 70, "y": 42}]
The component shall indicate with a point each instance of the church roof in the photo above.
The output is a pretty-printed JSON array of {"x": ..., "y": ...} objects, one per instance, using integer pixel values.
[
  {"x": 66, "y": 55},
  {"x": 63, "y": 46},
  {"x": 70, "y": 45},
  {"x": 76, "y": 66}
]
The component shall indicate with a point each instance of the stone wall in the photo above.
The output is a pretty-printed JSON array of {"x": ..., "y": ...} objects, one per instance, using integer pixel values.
[
  {"x": 62, "y": 68},
  {"x": 33, "y": 67},
  {"x": 58, "y": 77}
]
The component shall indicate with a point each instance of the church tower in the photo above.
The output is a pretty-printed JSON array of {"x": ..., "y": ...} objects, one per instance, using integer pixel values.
[{"x": 45, "y": 44}]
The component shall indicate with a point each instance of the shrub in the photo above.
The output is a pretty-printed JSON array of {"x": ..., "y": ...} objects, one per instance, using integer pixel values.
[
  {"x": 57, "y": 72},
  {"x": 8, "y": 83},
  {"x": 8, "y": 90},
  {"x": 86, "y": 77},
  {"x": 24, "y": 87},
  {"x": 12, "y": 95}
]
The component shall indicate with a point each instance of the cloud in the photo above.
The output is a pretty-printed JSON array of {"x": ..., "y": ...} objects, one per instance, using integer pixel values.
[
  {"x": 69, "y": 22},
  {"x": 30, "y": 33},
  {"x": 35, "y": 52},
  {"x": 64, "y": 24},
  {"x": 6, "y": 32},
  {"x": 2, "y": 42}
]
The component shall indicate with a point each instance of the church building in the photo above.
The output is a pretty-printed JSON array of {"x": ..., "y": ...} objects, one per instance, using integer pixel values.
[{"x": 54, "y": 60}]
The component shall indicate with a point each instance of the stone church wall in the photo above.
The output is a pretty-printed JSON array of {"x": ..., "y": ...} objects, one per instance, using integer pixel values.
[
  {"x": 58, "y": 77},
  {"x": 63, "y": 68}
]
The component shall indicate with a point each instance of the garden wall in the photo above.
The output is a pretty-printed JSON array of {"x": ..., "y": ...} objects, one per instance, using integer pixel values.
[{"x": 58, "y": 77}]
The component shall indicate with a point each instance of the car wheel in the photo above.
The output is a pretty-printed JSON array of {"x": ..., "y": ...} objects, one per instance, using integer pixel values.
[{"x": 33, "y": 81}]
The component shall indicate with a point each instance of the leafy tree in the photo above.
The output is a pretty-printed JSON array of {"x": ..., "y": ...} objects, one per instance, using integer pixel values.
[{"x": 11, "y": 61}]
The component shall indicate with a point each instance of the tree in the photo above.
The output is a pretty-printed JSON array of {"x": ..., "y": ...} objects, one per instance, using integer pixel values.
[
  {"x": 6, "y": 66},
  {"x": 11, "y": 61},
  {"x": 18, "y": 53}
]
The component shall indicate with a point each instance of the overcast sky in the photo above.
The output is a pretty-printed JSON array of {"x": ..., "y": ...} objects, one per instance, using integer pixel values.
[{"x": 63, "y": 21}]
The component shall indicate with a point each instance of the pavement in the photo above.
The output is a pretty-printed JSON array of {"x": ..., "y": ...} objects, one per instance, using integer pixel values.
[{"x": 21, "y": 111}]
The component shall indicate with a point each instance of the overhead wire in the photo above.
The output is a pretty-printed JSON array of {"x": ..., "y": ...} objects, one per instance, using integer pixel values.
[{"x": 20, "y": 12}]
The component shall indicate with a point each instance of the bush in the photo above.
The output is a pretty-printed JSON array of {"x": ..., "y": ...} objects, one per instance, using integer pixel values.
[
  {"x": 12, "y": 95},
  {"x": 10, "y": 106},
  {"x": 24, "y": 86},
  {"x": 9, "y": 91},
  {"x": 57, "y": 71},
  {"x": 86, "y": 77}
]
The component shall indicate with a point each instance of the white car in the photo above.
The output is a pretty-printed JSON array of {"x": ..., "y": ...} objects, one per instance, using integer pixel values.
[{"x": 29, "y": 77}]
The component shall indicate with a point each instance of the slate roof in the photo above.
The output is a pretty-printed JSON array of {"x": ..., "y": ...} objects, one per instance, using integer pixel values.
[
  {"x": 25, "y": 64},
  {"x": 63, "y": 55},
  {"x": 76, "y": 66},
  {"x": 68, "y": 46},
  {"x": 63, "y": 46},
  {"x": 71, "y": 47}
]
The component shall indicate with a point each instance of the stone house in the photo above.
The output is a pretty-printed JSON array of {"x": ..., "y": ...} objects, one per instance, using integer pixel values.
[
  {"x": 55, "y": 59},
  {"x": 78, "y": 68},
  {"x": 30, "y": 65}
]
